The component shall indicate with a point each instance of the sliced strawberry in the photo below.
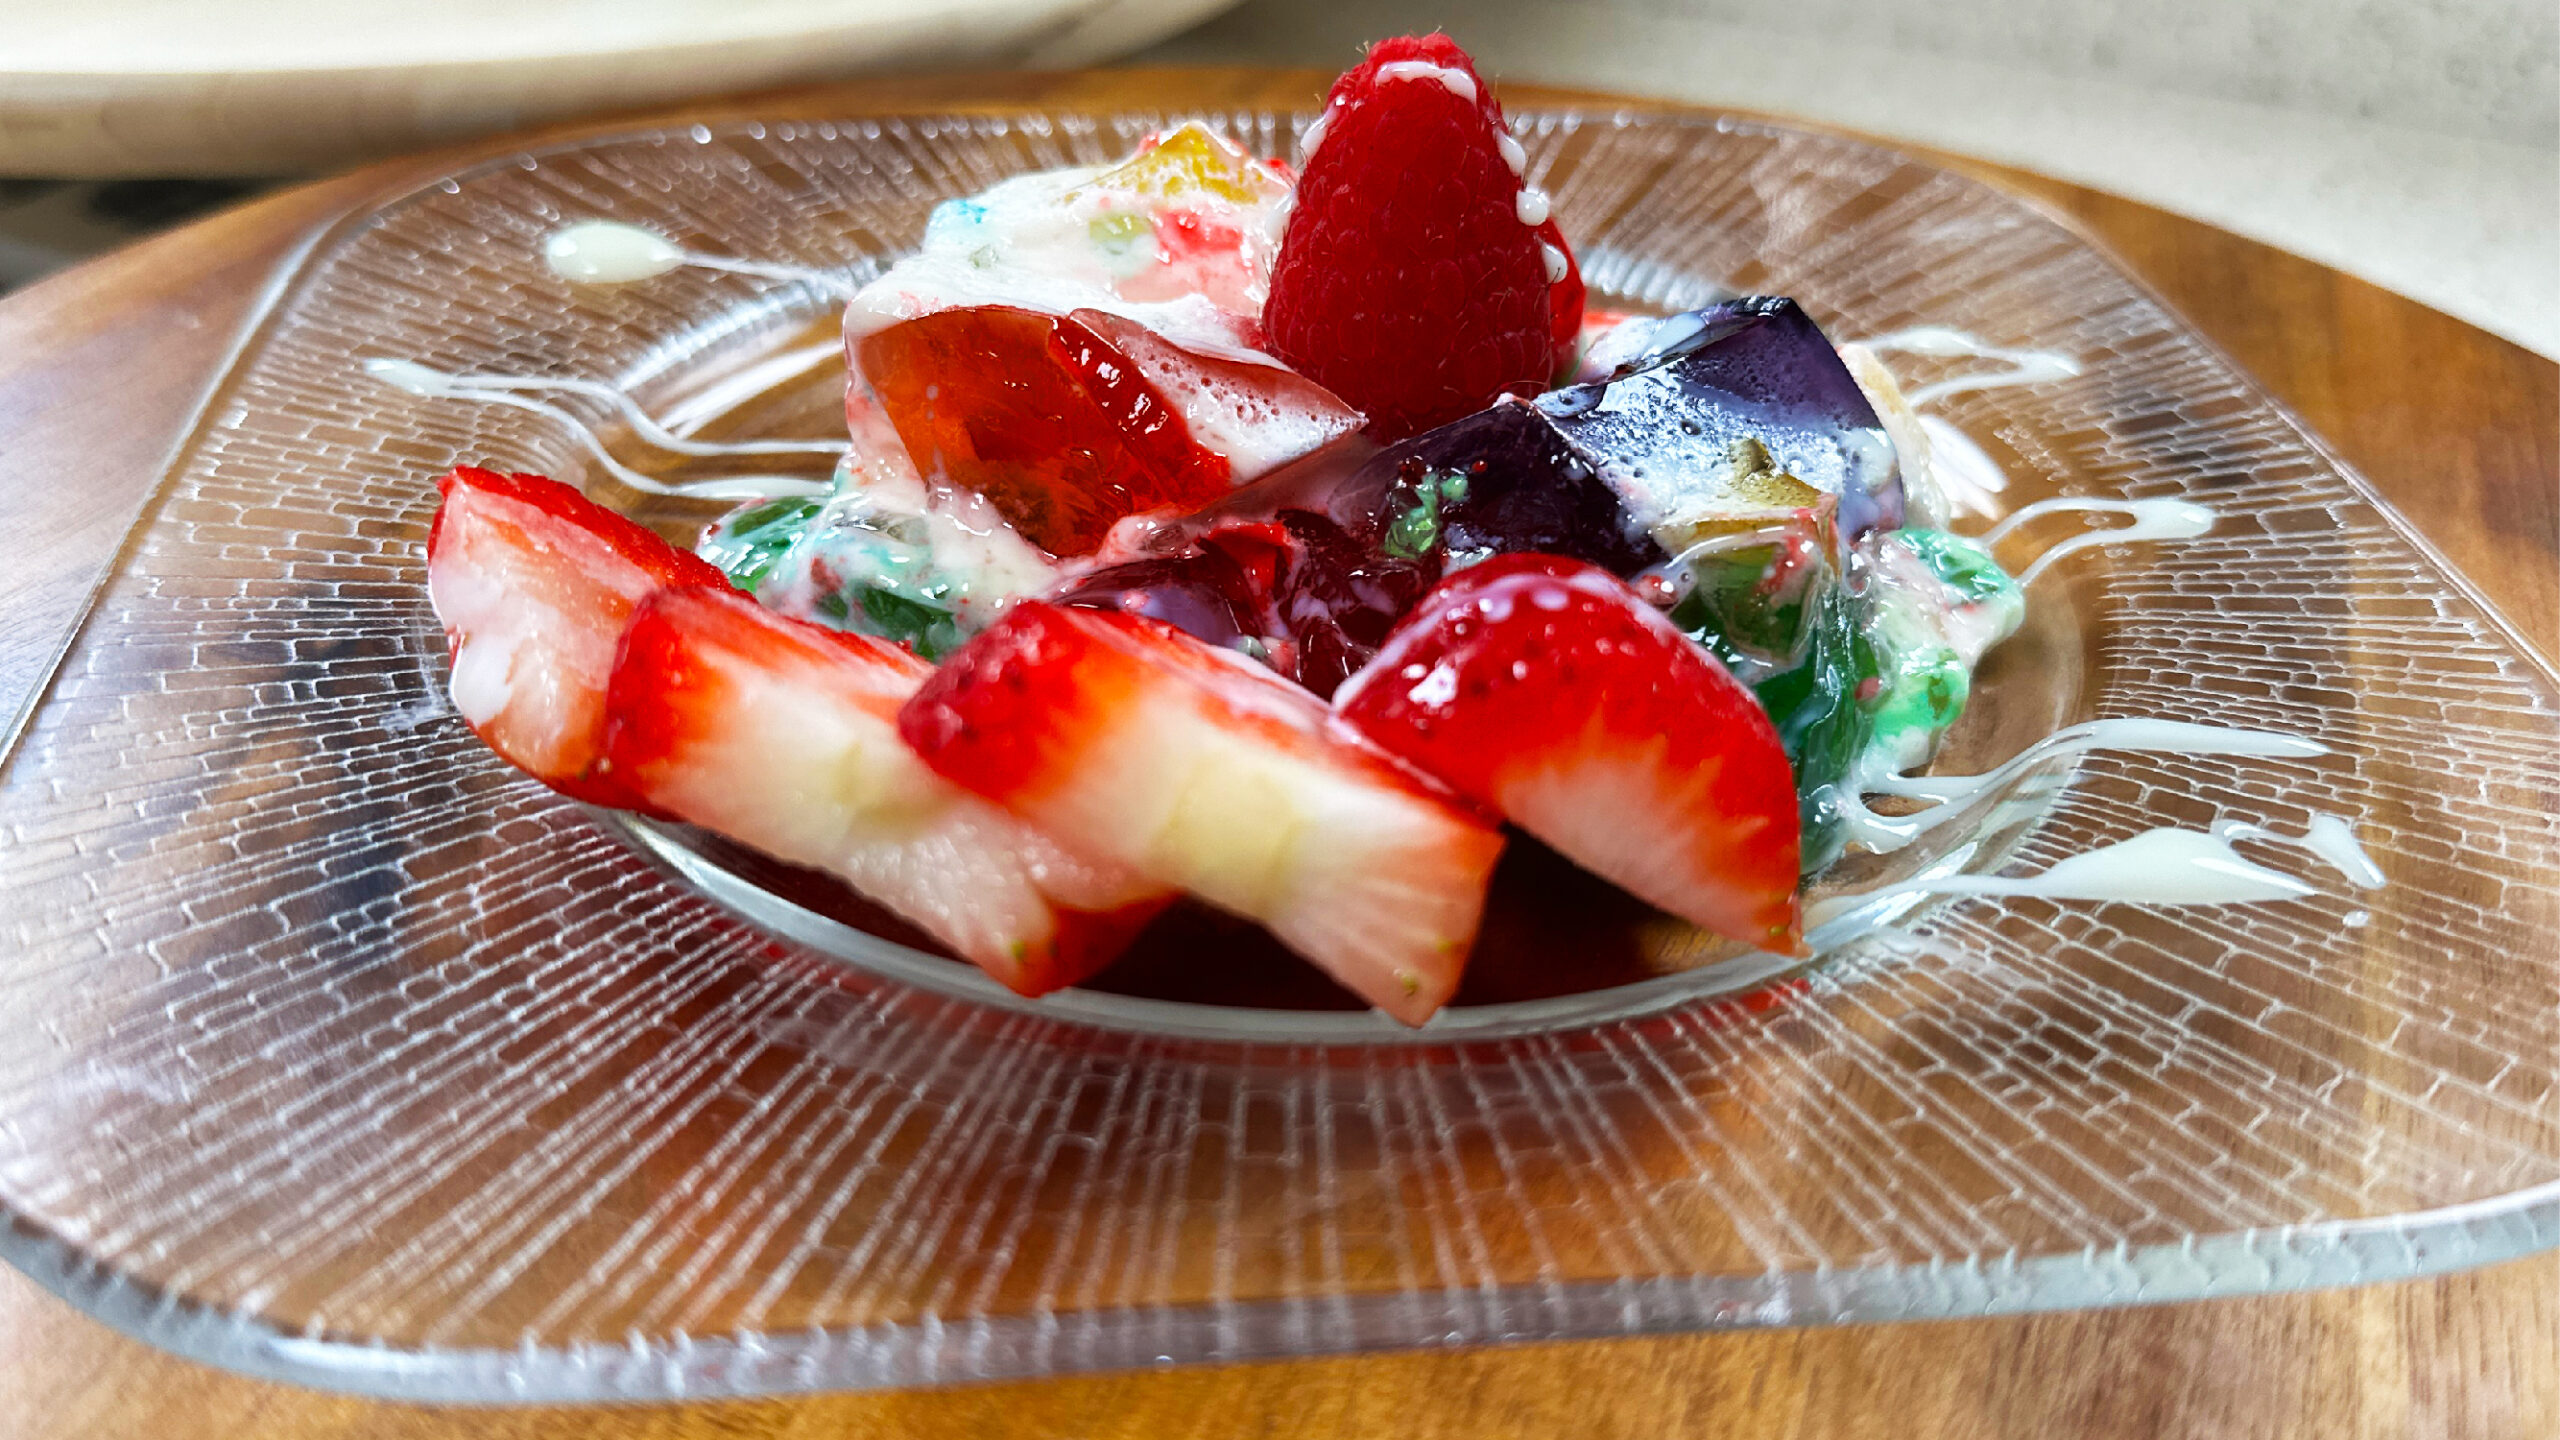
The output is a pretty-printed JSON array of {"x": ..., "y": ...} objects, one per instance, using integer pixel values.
[
  {"x": 1411, "y": 280},
  {"x": 533, "y": 582},
  {"x": 1132, "y": 741},
  {"x": 784, "y": 735},
  {"x": 1548, "y": 690}
]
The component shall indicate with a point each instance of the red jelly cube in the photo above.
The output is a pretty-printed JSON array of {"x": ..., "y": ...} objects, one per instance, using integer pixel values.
[{"x": 1049, "y": 421}]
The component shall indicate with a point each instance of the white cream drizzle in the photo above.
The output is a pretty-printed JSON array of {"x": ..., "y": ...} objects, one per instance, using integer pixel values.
[
  {"x": 2165, "y": 866},
  {"x": 610, "y": 252},
  {"x": 1457, "y": 81},
  {"x": 1952, "y": 793},
  {"x": 1530, "y": 205},
  {"x": 2168, "y": 865},
  {"x": 2333, "y": 839},
  {"x": 2180, "y": 737},
  {"x": 2151, "y": 520},
  {"x": 605, "y": 252},
  {"x": 2026, "y": 367},
  {"x": 1966, "y": 474},
  {"x": 1314, "y": 137},
  {"x": 2328, "y": 838},
  {"x": 1941, "y": 342},
  {"x": 517, "y": 392},
  {"x": 1557, "y": 265},
  {"x": 713, "y": 401}
]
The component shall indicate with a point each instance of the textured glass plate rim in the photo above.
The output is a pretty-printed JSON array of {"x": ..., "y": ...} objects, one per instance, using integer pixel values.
[
  {"x": 2277, "y": 1260},
  {"x": 2266, "y": 1260}
]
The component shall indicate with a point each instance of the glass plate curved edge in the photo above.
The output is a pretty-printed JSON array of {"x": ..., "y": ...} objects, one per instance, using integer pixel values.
[
  {"x": 1179, "y": 1020},
  {"x": 889, "y": 1357},
  {"x": 2416, "y": 1243}
]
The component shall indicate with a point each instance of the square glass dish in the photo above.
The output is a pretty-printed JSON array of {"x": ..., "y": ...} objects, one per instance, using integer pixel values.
[{"x": 333, "y": 1050}]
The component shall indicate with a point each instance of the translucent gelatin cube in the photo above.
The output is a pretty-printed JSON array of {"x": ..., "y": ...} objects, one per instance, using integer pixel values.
[
  {"x": 1054, "y": 425},
  {"x": 1296, "y": 591},
  {"x": 1499, "y": 481},
  {"x": 1190, "y": 161},
  {"x": 1740, "y": 408}
]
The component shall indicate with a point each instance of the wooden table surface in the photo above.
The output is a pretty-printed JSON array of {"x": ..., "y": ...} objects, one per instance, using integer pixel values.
[{"x": 101, "y": 367}]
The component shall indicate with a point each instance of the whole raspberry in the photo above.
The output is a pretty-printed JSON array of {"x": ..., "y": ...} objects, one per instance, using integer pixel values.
[{"x": 1415, "y": 279}]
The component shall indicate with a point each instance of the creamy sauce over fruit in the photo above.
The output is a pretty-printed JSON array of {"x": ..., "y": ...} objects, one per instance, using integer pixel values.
[
  {"x": 1030, "y": 242},
  {"x": 1179, "y": 238},
  {"x": 1458, "y": 82}
]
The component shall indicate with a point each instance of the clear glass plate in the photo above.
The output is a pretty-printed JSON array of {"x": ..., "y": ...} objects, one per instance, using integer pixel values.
[{"x": 333, "y": 1051}]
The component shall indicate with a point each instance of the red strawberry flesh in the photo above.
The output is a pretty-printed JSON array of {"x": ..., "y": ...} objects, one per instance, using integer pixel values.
[
  {"x": 1140, "y": 745},
  {"x": 1546, "y": 689},
  {"x": 784, "y": 735},
  {"x": 534, "y": 582},
  {"x": 1411, "y": 280}
]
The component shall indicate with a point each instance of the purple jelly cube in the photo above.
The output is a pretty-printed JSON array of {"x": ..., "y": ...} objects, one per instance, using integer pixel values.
[
  {"x": 1738, "y": 408},
  {"x": 1500, "y": 481}
]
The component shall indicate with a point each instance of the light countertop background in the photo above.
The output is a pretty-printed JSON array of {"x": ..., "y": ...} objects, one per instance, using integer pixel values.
[{"x": 2415, "y": 143}]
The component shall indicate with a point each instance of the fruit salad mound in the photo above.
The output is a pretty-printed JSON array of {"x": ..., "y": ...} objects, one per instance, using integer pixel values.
[{"x": 1283, "y": 540}]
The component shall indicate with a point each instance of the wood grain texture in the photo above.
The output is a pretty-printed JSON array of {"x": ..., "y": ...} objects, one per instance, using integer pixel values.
[{"x": 101, "y": 368}]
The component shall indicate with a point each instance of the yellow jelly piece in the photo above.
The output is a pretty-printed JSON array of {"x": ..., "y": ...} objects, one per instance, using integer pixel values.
[
  {"x": 1192, "y": 160},
  {"x": 1118, "y": 230},
  {"x": 1756, "y": 497}
]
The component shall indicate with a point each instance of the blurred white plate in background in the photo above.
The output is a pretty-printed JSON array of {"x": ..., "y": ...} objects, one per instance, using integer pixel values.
[{"x": 268, "y": 87}]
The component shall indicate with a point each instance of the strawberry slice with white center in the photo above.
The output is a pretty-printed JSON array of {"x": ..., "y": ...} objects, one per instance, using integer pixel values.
[
  {"x": 1547, "y": 690},
  {"x": 784, "y": 735},
  {"x": 534, "y": 582},
  {"x": 1133, "y": 741}
]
